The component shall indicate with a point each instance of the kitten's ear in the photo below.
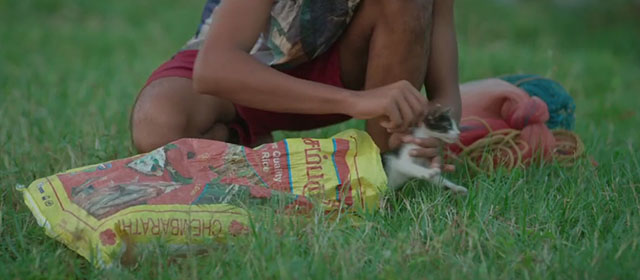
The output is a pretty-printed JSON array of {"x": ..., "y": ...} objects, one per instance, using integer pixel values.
[
  {"x": 447, "y": 110},
  {"x": 435, "y": 109}
]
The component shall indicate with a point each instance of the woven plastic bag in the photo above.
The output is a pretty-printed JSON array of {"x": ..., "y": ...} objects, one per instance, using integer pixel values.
[{"x": 192, "y": 191}]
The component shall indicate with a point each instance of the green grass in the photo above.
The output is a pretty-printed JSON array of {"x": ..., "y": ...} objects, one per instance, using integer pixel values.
[{"x": 70, "y": 70}]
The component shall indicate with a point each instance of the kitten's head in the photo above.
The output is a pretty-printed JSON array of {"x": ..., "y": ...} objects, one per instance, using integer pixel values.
[{"x": 440, "y": 124}]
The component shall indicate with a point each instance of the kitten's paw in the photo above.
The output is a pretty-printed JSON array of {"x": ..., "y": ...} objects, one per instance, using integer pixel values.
[
  {"x": 433, "y": 173},
  {"x": 459, "y": 190}
]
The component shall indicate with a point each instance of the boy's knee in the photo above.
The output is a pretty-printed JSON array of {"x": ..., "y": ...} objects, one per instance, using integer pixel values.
[
  {"x": 156, "y": 120},
  {"x": 151, "y": 129},
  {"x": 168, "y": 109}
]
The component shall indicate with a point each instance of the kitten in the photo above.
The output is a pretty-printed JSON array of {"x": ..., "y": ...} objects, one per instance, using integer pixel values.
[{"x": 400, "y": 166}]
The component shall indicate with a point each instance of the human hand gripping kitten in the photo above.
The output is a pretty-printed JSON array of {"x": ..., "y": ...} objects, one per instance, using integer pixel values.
[{"x": 400, "y": 166}]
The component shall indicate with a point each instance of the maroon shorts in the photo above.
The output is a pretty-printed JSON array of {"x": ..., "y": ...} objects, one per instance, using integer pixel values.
[{"x": 254, "y": 124}]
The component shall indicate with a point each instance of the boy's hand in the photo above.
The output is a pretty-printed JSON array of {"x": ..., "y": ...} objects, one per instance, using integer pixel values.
[
  {"x": 429, "y": 149},
  {"x": 399, "y": 105}
]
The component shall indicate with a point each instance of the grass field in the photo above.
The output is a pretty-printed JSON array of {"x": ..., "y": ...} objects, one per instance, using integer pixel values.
[{"x": 70, "y": 70}]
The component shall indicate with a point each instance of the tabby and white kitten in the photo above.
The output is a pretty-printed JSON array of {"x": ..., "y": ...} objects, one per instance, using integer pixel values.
[{"x": 400, "y": 166}]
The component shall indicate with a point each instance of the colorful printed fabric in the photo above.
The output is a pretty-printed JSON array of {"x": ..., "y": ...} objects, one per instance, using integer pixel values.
[{"x": 298, "y": 31}]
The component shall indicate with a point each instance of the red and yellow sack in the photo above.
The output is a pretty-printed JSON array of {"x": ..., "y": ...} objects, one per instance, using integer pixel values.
[{"x": 192, "y": 191}]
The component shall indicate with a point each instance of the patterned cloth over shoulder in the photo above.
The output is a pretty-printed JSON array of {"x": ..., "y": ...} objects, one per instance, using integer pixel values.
[{"x": 298, "y": 30}]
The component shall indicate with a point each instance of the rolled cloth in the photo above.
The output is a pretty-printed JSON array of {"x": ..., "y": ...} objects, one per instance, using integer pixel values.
[{"x": 493, "y": 104}]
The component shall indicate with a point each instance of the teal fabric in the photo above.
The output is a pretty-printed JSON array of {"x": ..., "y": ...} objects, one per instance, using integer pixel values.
[{"x": 561, "y": 105}]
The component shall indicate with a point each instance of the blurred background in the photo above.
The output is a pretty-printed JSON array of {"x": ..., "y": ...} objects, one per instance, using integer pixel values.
[{"x": 70, "y": 69}]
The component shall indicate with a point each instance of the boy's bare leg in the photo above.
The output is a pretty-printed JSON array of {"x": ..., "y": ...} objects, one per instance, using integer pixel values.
[
  {"x": 387, "y": 41},
  {"x": 169, "y": 109}
]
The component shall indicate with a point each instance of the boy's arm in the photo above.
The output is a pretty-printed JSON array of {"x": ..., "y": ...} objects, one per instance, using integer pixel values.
[
  {"x": 225, "y": 68},
  {"x": 442, "y": 74}
]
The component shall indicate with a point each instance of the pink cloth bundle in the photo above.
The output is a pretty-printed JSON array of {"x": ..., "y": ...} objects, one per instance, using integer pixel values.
[{"x": 501, "y": 105}]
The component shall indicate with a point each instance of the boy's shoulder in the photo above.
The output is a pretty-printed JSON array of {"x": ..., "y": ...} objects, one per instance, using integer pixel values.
[{"x": 298, "y": 31}]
